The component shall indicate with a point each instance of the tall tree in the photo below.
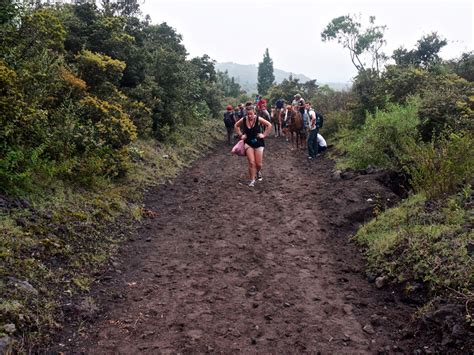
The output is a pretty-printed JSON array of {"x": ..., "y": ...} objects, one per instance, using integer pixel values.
[
  {"x": 349, "y": 32},
  {"x": 425, "y": 54},
  {"x": 265, "y": 74},
  {"x": 227, "y": 84},
  {"x": 464, "y": 66},
  {"x": 125, "y": 8}
]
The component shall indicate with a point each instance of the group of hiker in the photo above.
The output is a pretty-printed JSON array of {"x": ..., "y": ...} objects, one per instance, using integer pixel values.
[{"x": 253, "y": 122}]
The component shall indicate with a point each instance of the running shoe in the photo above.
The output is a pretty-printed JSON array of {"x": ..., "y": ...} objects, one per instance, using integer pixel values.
[
  {"x": 252, "y": 183},
  {"x": 259, "y": 176}
]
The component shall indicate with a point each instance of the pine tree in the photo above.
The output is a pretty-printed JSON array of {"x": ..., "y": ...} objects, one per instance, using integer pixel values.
[{"x": 265, "y": 74}]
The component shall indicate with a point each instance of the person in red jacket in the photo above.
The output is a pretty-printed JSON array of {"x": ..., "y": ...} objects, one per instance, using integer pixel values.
[{"x": 261, "y": 102}]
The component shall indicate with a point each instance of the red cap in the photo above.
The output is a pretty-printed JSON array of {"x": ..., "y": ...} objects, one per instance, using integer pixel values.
[{"x": 229, "y": 107}]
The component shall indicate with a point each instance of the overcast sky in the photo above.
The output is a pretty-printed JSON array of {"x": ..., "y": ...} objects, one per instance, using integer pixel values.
[{"x": 239, "y": 31}]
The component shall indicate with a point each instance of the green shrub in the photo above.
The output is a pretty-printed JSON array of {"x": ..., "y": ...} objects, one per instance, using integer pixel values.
[
  {"x": 106, "y": 130},
  {"x": 464, "y": 66},
  {"x": 335, "y": 122},
  {"x": 14, "y": 170},
  {"x": 401, "y": 82},
  {"x": 383, "y": 138},
  {"x": 22, "y": 134},
  {"x": 447, "y": 103},
  {"x": 40, "y": 30},
  {"x": 141, "y": 117},
  {"x": 96, "y": 69},
  {"x": 368, "y": 95},
  {"x": 439, "y": 167}
]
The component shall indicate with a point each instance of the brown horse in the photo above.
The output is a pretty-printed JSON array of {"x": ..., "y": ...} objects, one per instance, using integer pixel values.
[
  {"x": 295, "y": 126},
  {"x": 276, "y": 120}
]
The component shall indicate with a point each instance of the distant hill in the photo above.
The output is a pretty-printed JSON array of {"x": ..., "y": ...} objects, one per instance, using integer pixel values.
[{"x": 246, "y": 76}]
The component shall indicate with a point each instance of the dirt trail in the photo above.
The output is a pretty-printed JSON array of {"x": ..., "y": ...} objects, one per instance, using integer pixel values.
[{"x": 220, "y": 267}]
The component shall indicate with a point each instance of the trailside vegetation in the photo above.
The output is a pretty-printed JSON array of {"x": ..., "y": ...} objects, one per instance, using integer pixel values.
[
  {"x": 96, "y": 104},
  {"x": 415, "y": 118},
  {"x": 79, "y": 84}
]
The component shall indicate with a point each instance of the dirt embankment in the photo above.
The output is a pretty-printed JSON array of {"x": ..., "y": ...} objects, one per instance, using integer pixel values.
[{"x": 220, "y": 267}]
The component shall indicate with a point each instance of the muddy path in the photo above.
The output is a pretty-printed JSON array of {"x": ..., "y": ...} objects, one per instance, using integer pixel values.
[{"x": 223, "y": 268}]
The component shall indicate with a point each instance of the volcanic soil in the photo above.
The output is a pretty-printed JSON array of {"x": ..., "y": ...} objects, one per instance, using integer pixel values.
[{"x": 220, "y": 267}]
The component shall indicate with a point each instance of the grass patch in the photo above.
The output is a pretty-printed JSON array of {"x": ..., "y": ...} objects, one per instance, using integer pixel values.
[
  {"x": 55, "y": 241},
  {"x": 425, "y": 241}
]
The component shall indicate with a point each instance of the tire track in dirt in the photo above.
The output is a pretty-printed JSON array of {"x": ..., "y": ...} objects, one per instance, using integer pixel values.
[{"x": 224, "y": 268}]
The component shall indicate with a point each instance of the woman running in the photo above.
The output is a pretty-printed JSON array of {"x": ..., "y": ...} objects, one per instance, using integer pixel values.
[{"x": 254, "y": 143}]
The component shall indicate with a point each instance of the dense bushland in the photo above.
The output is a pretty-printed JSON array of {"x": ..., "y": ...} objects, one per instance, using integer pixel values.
[{"x": 79, "y": 84}]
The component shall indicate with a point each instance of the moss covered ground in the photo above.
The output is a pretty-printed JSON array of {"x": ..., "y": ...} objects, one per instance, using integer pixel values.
[{"x": 426, "y": 244}]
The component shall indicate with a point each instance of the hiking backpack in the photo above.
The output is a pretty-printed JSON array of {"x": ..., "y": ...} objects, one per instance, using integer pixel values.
[
  {"x": 279, "y": 104},
  {"x": 229, "y": 119},
  {"x": 319, "y": 120}
]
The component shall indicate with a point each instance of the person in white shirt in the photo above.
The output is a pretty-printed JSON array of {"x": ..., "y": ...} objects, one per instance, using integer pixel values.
[{"x": 322, "y": 145}]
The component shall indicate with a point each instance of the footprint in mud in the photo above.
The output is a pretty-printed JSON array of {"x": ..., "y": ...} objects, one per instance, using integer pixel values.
[{"x": 195, "y": 334}]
